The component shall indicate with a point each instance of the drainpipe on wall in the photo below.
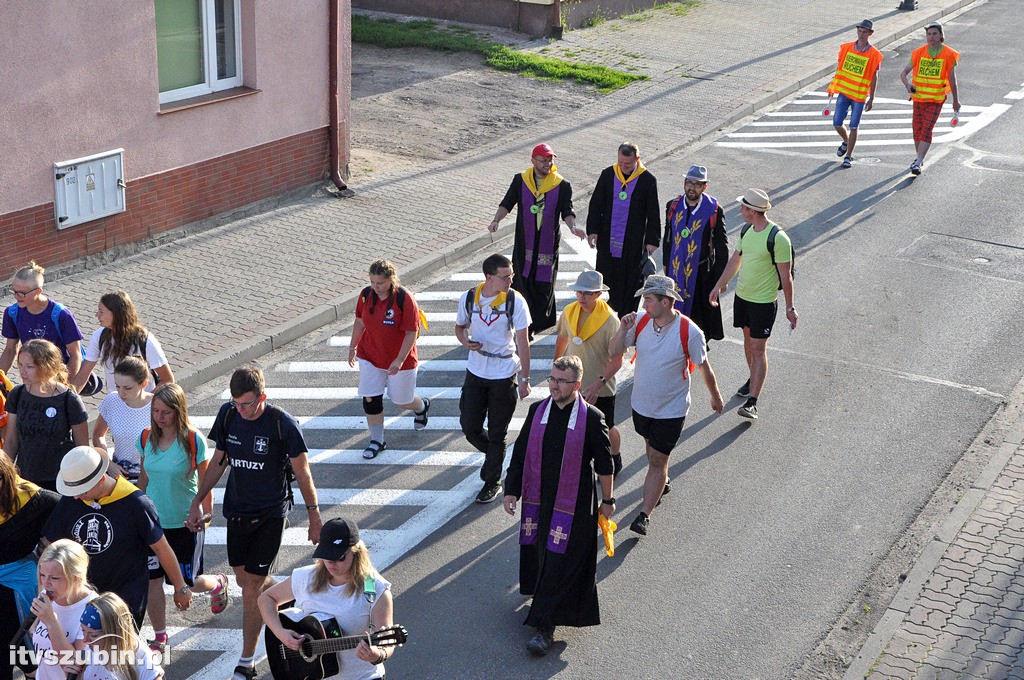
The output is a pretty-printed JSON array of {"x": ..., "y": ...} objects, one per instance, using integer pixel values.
[
  {"x": 334, "y": 49},
  {"x": 556, "y": 21}
]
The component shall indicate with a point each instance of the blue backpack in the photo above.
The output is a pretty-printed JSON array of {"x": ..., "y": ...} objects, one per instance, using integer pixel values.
[{"x": 95, "y": 383}]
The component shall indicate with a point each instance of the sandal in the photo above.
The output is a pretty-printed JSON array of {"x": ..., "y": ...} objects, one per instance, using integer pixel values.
[
  {"x": 219, "y": 595},
  {"x": 420, "y": 420},
  {"x": 374, "y": 449}
]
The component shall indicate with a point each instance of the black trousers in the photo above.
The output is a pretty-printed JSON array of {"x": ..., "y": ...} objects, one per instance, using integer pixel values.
[{"x": 495, "y": 400}]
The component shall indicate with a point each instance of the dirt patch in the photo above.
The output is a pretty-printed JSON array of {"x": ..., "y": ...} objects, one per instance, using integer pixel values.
[{"x": 412, "y": 107}]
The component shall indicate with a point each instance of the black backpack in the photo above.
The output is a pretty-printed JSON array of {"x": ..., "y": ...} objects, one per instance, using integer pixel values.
[
  {"x": 510, "y": 305},
  {"x": 771, "y": 250}
]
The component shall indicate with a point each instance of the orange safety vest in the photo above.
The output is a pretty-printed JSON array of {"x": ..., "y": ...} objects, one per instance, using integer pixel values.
[
  {"x": 931, "y": 74},
  {"x": 856, "y": 71}
]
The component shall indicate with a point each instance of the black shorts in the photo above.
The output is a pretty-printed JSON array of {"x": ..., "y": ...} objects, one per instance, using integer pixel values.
[
  {"x": 253, "y": 543},
  {"x": 606, "y": 405},
  {"x": 759, "y": 317},
  {"x": 661, "y": 434},
  {"x": 188, "y": 550}
]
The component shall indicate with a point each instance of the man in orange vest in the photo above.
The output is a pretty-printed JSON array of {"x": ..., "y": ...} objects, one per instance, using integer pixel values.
[
  {"x": 854, "y": 83},
  {"x": 933, "y": 67}
]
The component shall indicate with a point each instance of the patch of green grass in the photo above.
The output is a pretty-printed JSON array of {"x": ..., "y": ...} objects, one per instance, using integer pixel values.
[
  {"x": 595, "y": 19},
  {"x": 678, "y": 8},
  {"x": 425, "y": 33}
]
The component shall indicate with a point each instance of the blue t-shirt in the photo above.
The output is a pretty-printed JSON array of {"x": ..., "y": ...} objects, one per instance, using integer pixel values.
[
  {"x": 116, "y": 535},
  {"x": 256, "y": 452},
  {"x": 31, "y": 326}
]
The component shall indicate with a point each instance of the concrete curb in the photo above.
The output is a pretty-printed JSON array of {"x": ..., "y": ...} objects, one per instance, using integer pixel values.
[{"x": 338, "y": 309}]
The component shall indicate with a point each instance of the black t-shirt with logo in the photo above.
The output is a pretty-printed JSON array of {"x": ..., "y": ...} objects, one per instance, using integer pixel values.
[
  {"x": 117, "y": 533},
  {"x": 256, "y": 451}
]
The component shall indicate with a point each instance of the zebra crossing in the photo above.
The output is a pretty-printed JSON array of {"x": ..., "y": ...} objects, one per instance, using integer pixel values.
[
  {"x": 800, "y": 124},
  {"x": 409, "y": 491}
]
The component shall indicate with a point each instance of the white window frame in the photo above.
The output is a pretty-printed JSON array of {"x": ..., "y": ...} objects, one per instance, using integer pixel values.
[{"x": 212, "y": 83}]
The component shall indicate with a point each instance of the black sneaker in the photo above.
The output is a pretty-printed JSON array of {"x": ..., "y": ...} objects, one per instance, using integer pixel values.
[
  {"x": 244, "y": 673},
  {"x": 540, "y": 644},
  {"x": 841, "y": 151},
  {"x": 915, "y": 167},
  {"x": 419, "y": 420},
  {"x": 488, "y": 493},
  {"x": 640, "y": 524},
  {"x": 744, "y": 390},
  {"x": 748, "y": 410}
]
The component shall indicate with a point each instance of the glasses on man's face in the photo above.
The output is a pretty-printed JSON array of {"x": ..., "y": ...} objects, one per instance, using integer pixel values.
[
  {"x": 245, "y": 404},
  {"x": 23, "y": 293},
  {"x": 561, "y": 381},
  {"x": 504, "y": 278},
  {"x": 544, "y": 160}
]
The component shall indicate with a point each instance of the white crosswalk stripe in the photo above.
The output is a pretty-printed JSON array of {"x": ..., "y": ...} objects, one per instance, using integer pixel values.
[
  {"x": 344, "y": 393},
  {"x": 403, "y": 422},
  {"x": 429, "y": 366}
]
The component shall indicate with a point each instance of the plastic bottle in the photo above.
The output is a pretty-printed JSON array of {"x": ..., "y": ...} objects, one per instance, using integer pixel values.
[{"x": 956, "y": 119}]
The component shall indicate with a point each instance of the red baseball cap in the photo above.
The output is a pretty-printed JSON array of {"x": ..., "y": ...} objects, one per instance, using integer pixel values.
[{"x": 544, "y": 151}]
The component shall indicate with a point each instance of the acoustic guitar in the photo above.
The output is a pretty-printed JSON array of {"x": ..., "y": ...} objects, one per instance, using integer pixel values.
[{"x": 317, "y": 655}]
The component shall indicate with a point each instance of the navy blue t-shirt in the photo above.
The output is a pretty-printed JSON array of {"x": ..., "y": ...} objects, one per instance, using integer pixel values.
[
  {"x": 256, "y": 453},
  {"x": 117, "y": 535}
]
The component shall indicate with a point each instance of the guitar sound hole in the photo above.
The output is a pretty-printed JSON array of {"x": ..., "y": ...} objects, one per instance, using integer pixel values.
[{"x": 306, "y": 649}]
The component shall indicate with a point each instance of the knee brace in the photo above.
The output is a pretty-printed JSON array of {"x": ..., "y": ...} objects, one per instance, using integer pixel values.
[{"x": 373, "y": 405}]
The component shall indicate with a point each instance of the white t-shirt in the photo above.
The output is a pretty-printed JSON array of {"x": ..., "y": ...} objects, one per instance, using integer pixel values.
[
  {"x": 352, "y": 612},
  {"x": 154, "y": 357},
  {"x": 659, "y": 389},
  {"x": 490, "y": 328},
  {"x": 145, "y": 665},
  {"x": 70, "y": 617},
  {"x": 126, "y": 424}
]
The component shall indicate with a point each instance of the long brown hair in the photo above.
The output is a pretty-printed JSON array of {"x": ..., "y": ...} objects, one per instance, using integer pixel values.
[
  {"x": 173, "y": 397},
  {"x": 126, "y": 336},
  {"x": 48, "y": 360}
]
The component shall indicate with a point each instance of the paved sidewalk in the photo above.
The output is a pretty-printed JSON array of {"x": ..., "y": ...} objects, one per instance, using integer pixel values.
[{"x": 960, "y": 614}]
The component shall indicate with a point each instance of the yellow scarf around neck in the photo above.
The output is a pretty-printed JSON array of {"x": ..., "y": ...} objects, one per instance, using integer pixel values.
[
  {"x": 497, "y": 304},
  {"x": 594, "y": 322},
  {"x": 637, "y": 171},
  {"x": 552, "y": 180}
]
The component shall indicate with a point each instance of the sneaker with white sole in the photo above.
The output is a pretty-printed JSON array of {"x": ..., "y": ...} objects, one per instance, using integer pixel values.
[
  {"x": 915, "y": 167},
  {"x": 489, "y": 493},
  {"x": 841, "y": 151},
  {"x": 748, "y": 410}
]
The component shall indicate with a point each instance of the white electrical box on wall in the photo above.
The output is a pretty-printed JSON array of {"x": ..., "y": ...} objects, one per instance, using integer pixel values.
[{"x": 88, "y": 188}]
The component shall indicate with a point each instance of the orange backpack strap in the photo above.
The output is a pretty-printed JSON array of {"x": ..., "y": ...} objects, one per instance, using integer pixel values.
[
  {"x": 193, "y": 448},
  {"x": 144, "y": 438},
  {"x": 684, "y": 339}
]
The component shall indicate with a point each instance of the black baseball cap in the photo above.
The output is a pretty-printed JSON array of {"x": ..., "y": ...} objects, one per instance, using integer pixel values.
[{"x": 336, "y": 537}]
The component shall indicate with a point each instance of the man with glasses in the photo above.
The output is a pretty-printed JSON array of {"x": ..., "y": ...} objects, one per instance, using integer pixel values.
[
  {"x": 667, "y": 353},
  {"x": 263, "y": 445},
  {"x": 563, "y": 443},
  {"x": 624, "y": 224},
  {"x": 695, "y": 250},
  {"x": 854, "y": 83},
  {"x": 584, "y": 330},
  {"x": 543, "y": 196},
  {"x": 33, "y": 315},
  {"x": 492, "y": 322}
]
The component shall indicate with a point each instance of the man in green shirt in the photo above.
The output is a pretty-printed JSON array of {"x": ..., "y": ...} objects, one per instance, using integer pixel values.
[{"x": 763, "y": 271}]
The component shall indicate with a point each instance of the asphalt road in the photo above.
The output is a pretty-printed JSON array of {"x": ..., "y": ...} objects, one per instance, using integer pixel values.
[{"x": 908, "y": 291}]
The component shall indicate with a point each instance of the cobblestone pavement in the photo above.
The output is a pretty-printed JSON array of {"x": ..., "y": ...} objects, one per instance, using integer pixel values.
[{"x": 239, "y": 290}]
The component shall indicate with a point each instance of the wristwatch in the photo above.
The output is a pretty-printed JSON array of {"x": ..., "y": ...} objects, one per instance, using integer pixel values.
[
  {"x": 608, "y": 501},
  {"x": 524, "y": 379},
  {"x": 790, "y": 309},
  {"x": 183, "y": 591}
]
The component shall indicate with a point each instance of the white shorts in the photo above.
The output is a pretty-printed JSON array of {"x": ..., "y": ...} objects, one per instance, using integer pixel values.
[{"x": 401, "y": 387}]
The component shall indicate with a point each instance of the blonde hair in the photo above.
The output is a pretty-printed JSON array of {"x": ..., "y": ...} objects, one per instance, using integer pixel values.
[
  {"x": 30, "y": 271},
  {"x": 49, "y": 362},
  {"x": 172, "y": 396},
  {"x": 360, "y": 570},
  {"x": 119, "y": 635},
  {"x": 73, "y": 561}
]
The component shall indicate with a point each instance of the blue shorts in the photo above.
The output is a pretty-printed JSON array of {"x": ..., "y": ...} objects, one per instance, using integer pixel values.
[{"x": 844, "y": 104}]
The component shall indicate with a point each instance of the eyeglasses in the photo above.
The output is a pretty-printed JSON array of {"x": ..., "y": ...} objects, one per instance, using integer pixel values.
[
  {"x": 561, "y": 381},
  {"x": 504, "y": 278},
  {"x": 543, "y": 159},
  {"x": 23, "y": 293},
  {"x": 692, "y": 183},
  {"x": 247, "y": 404}
]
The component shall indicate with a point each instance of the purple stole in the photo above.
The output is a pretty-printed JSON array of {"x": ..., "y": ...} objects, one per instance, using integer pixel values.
[
  {"x": 568, "y": 480},
  {"x": 620, "y": 215},
  {"x": 547, "y": 233},
  {"x": 686, "y": 241}
]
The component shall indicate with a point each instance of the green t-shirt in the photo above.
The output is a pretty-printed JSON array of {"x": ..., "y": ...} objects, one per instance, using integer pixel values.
[
  {"x": 171, "y": 488},
  {"x": 759, "y": 279}
]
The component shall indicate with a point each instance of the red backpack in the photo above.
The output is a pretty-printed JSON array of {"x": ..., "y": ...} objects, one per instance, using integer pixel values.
[
  {"x": 193, "y": 446},
  {"x": 684, "y": 338}
]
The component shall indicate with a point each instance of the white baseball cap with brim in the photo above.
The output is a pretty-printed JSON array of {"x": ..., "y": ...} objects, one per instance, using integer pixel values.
[
  {"x": 80, "y": 470},
  {"x": 755, "y": 199},
  {"x": 659, "y": 284},
  {"x": 589, "y": 281}
]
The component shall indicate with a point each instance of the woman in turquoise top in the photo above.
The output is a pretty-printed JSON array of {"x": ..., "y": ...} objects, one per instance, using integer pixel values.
[{"x": 173, "y": 458}]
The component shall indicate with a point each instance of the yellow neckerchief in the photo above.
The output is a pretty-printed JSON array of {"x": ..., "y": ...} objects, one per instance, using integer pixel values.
[
  {"x": 637, "y": 171},
  {"x": 594, "y": 322},
  {"x": 552, "y": 180},
  {"x": 122, "y": 489},
  {"x": 26, "y": 490},
  {"x": 497, "y": 304}
]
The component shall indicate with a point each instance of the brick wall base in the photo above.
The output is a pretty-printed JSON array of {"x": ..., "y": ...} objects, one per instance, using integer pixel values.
[{"x": 168, "y": 200}]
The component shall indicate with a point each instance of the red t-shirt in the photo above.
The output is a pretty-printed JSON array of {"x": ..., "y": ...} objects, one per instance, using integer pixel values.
[{"x": 386, "y": 325}]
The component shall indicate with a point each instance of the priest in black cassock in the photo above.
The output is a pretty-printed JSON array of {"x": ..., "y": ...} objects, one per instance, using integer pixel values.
[
  {"x": 562, "y": 444},
  {"x": 542, "y": 196},
  {"x": 624, "y": 224}
]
